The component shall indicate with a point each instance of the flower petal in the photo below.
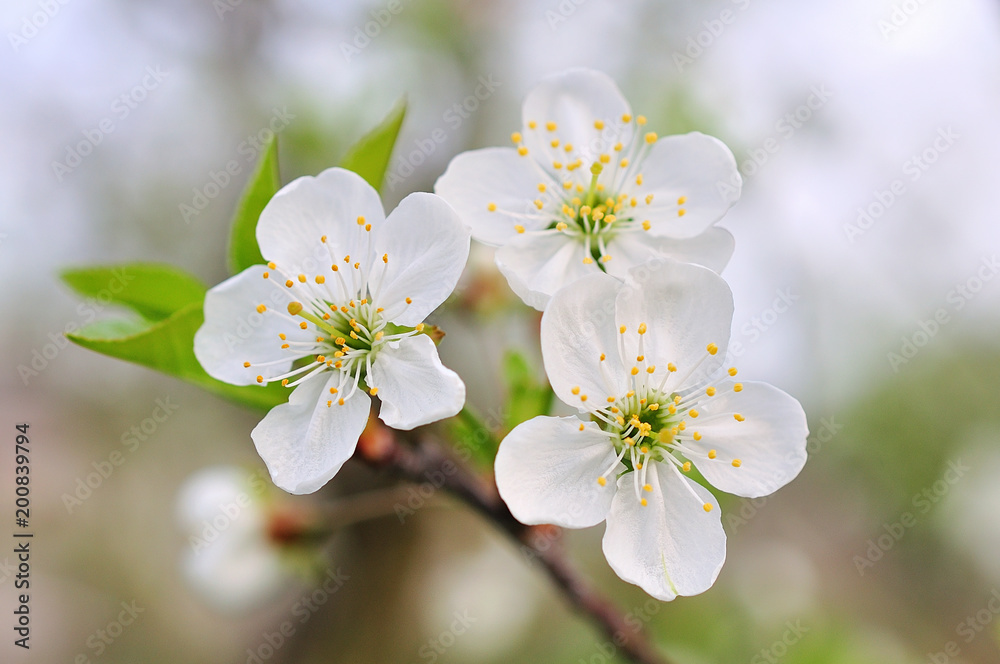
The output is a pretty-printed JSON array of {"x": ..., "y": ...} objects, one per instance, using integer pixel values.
[
  {"x": 538, "y": 264},
  {"x": 415, "y": 388},
  {"x": 476, "y": 179},
  {"x": 699, "y": 168},
  {"x": 713, "y": 249},
  {"x": 308, "y": 208},
  {"x": 420, "y": 252},
  {"x": 305, "y": 442},
  {"x": 574, "y": 100},
  {"x": 770, "y": 442},
  {"x": 685, "y": 308},
  {"x": 577, "y": 329},
  {"x": 547, "y": 470},
  {"x": 235, "y": 332},
  {"x": 671, "y": 546}
]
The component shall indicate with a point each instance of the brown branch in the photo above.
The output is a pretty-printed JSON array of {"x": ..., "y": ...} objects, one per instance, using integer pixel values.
[{"x": 425, "y": 462}]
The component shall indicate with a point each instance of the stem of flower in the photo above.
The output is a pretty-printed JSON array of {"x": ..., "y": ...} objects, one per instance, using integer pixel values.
[{"x": 380, "y": 447}]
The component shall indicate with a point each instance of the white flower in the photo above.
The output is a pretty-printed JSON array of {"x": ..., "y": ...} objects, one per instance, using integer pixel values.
[
  {"x": 336, "y": 311},
  {"x": 231, "y": 561},
  {"x": 642, "y": 359},
  {"x": 587, "y": 189}
]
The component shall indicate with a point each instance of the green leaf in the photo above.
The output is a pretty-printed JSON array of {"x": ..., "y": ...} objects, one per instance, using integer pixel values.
[
  {"x": 168, "y": 346},
  {"x": 471, "y": 436},
  {"x": 527, "y": 397},
  {"x": 369, "y": 157},
  {"x": 264, "y": 183},
  {"x": 152, "y": 290}
]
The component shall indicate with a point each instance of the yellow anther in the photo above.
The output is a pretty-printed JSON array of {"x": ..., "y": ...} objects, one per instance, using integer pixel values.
[
  {"x": 575, "y": 390},
  {"x": 320, "y": 358},
  {"x": 618, "y": 147},
  {"x": 738, "y": 387},
  {"x": 282, "y": 336},
  {"x": 266, "y": 275},
  {"x": 261, "y": 308},
  {"x": 294, "y": 308},
  {"x": 707, "y": 507},
  {"x": 732, "y": 371},
  {"x": 654, "y": 406},
  {"x": 610, "y": 219},
  {"x": 561, "y": 226},
  {"x": 532, "y": 124},
  {"x": 584, "y": 210},
  {"x": 569, "y": 148},
  {"x": 554, "y": 143},
  {"x": 651, "y": 369},
  {"x": 648, "y": 488},
  {"x": 671, "y": 367},
  {"x": 646, "y": 225},
  {"x": 582, "y": 427},
  {"x": 737, "y": 463},
  {"x": 246, "y": 365},
  {"x": 626, "y": 118},
  {"x": 622, "y": 329},
  {"x": 693, "y": 413},
  {"x": 610, "y": 399},
  {"x": 338, "y": 364},
  {"x": 738, "y": 417},
  {"x": 523, "y": 151},
  {"x": 642, "y": 328},
  {"x": 587, "y": 260},
  {"x": 682, "y": 426},
  {"x": 677, "y": 399},
  {"x": 629, "y": 395},
  {"x": 696, "y": 435},
  {"x": 603, "y": 357},
  {"x": 539, "y": 204},
  {"x": 635, "y": 371},
  {"x": 638, "y": 180},
  {"x": 260, "y": 379},
  {"x": 340, "y": 401},
  {"x": 583, "y": 397},
  {"x": 272, "y": 265},
  {"x": 361, "y": 221},
  {"x": 710, "y": 391},
  {"x": 640, "y": 358},
  {"x": 419, "y": 327},
  {"x": 519, "y": 228},
  {"x": 542, "y": 187},
  {"x": 598, "y": 124},
  {"x": 605, "y": 158},
  {"x": 373, "y": 391},
  {"x": 651, "y": 137},
  {"x": 672, "y": 409},
  {"x": 516, "y": 137},
  {"x": 642, "y": 502},
  {"x": 334, "y": 267},
  {"x": 323, "y": 239},
  {"x": 623, "y": 163},
  {"x": 682, "y": 200},
  {"x": 304, "y": 325},
  {"x": 712, "y": 349},
  {"x": 640, "y": 120},
  {"x": 686, "y": 467},
  {"x": 385, "y": 258},
  {"x": 357, "y": 265},
  {"x": 289, "y": 283},
  {"x": 712, "y": 454},
  {"x": 551, "y": 126},
  {"x": 681, "y": 213},
  {"x": 492, "y": 207},
  {"x": 602, "y": 481},
  {"x": 409, "y": 301},
  {"x": 557, "y": 165}
]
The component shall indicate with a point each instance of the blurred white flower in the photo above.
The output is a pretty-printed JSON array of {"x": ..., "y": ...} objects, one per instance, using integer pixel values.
[
  {"x": 641, "y": 359},
  {"x": 586, "y": 191},
  {"x": 338, "y": 310}
]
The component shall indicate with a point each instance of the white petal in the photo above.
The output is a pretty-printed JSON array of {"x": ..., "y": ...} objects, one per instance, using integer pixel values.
[
  {"x": 770, "y": 442},
  {"x": 575, "y": 100},
  {"x": 236, "y": 572},
  {"x": 685, "y": 308},
  {"x": 547, "y": 470},
  {"x": 477, "y": 178},
  {"x": 426, "y": 246},
  {"x": 305, "y": 442},
  {"x": 306, "y": 209},
  {"x": 712, "y": 249},
  {"x": 671, "y": 546},
  {"x": 538, "y": 264},
  {"x": 577, "y": 328},
  {"x": 234, "y": 332},
  {"x": 203, "y": 493},
  {"x": 415, "y": 388},
  {"x": 698, "y": 167}
]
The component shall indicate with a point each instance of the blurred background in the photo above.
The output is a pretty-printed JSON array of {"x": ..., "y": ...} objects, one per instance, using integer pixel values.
[{"x": 865, "y": 281}]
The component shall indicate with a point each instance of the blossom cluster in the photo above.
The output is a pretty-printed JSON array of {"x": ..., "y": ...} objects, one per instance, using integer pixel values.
[{"x": 610, "y": 231}]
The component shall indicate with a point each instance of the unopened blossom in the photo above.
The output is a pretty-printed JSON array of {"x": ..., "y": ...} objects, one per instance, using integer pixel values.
[
  {"x": 588, "y": 188},
  {"x": 337, "y": 314},
  {"x": 643, "y": 361}
]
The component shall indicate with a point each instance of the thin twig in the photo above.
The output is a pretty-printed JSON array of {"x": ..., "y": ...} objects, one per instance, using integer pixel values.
[{"x": 423, "y": 461}]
